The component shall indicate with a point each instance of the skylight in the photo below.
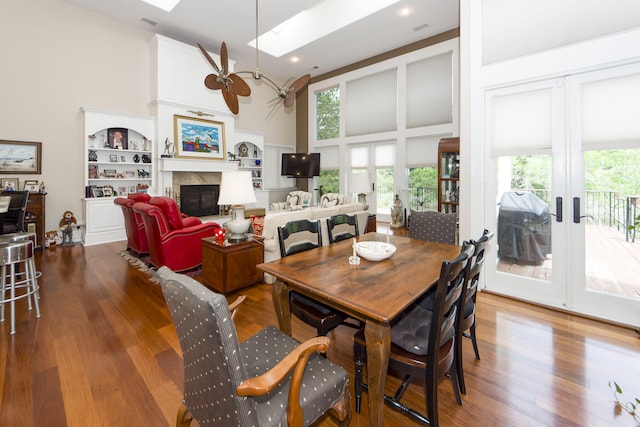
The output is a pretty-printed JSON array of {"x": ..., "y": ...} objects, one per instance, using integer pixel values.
[
  {"x": 166, "y": 5},
  {"x": 316, "y": 22}
]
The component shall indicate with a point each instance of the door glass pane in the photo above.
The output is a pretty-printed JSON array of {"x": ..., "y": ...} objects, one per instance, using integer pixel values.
[
  {"x": 384, "y": 193},
  {"x": 524, "y": 215},
  {"x": 611, "y": 205}
]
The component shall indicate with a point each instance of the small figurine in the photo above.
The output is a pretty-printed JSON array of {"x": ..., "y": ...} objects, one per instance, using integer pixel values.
[
  {"x": 169, "y": 148},
  {"x": 66, "y": 226},
  {"x": 219, "y": 234},
  {"x": 51, "y": 239}
]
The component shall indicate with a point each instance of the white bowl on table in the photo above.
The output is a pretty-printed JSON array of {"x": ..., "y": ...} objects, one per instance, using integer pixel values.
[{"x": 374, "y": 251}]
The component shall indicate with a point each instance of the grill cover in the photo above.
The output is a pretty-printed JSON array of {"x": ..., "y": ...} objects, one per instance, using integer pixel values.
[{"x": 524, "y": 227}]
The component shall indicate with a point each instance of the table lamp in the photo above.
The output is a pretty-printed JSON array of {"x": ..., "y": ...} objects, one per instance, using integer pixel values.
[
  {"x": 236, "y": 189},
  {"x": 360, "y": 184}
]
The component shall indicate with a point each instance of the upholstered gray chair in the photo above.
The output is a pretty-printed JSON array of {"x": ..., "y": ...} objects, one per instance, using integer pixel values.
[
  {"x": 268, "y": 380},
  {"x": 433, "y": 226}
]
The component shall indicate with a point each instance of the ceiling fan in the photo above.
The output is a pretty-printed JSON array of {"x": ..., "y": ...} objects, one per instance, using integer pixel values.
[{"x": 232, "y": 85}]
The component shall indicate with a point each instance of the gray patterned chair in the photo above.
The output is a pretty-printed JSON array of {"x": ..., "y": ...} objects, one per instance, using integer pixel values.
[
  {"x": 268, "y": 380},
  {"x": 433, "y": 226}
]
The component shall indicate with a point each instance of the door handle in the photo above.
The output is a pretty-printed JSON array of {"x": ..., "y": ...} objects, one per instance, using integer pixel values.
[
  {"x": 576, "y": 211},
  {"x": 558, "y": 213}
]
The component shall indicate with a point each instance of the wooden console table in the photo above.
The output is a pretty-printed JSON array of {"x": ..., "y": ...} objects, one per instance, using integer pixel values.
[{"x": 230, "y": 266}]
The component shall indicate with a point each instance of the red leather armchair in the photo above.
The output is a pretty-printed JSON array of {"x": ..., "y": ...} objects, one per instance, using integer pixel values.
[
  {"x": 174, "y": 240},
  {"x": 136, "y": 235}
]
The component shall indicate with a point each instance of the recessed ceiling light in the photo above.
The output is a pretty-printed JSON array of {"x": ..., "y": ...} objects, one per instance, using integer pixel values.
[
  {"x": 316, "y": 22},
  {"x": 295, "y": 59},
  {"x": 167, "y": 5},
  {"x": 405, "y": 11}
]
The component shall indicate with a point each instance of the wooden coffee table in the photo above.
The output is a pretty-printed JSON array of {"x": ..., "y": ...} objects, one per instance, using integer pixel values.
[{"x": 230, "y": 266}]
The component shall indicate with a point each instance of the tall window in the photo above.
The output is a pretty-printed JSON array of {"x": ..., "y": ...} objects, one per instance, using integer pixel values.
[{"x": 328, "y": 114}]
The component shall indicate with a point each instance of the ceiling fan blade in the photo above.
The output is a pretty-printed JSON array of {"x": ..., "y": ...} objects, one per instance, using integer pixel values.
[
  {"x": 209, "y": 58},
  {"x": 300, "y": 83},
  {"x": 238, "y": 85},
  {"x": 231, "y": 99},
  {"x": 211, "y": 81},
  {"x": 224, "y": 59},
  {"x": 295, "y": 86},
  {"x": 288, "y": 100}
]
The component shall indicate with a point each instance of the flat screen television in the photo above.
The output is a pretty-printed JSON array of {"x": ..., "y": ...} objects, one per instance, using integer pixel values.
[{"x": 300, "y": 165}]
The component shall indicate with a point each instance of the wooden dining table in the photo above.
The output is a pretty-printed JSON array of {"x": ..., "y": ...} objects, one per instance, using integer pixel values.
[{"x": 375, "y": 292}]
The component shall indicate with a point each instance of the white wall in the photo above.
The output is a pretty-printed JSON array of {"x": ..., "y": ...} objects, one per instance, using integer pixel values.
[{"x": 55, "y": 58}]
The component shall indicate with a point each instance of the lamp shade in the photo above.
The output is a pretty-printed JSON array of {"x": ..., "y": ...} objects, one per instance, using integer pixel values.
[
  {"x": 360, "y": 183},
  {"x": 236, "y": 188}
]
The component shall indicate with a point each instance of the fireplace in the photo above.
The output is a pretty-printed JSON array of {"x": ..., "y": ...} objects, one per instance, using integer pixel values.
[{"x": 199, "y": 200}]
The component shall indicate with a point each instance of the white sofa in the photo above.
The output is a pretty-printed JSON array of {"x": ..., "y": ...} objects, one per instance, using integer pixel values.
[{"x": 273, "y": 220}]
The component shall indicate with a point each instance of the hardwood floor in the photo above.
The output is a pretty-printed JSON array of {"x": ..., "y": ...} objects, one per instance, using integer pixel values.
[{"x": 105, "y": 353}]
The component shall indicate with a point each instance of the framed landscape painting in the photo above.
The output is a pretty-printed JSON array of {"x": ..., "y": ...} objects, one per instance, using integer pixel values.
[
  {"x": 199, "y": 138},
  {"x": 20, "y": 157}
]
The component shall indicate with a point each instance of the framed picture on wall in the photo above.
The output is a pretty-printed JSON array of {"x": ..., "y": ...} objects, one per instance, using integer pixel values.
[
  {"x": 117, "y": 138},
  {"x": 20, "y": 157},
  {"x": 199, "y": 138}
]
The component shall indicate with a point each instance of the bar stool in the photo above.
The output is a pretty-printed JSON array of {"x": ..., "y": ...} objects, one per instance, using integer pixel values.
[
  {"x": 21, "y": 236},
  {"x": 18, "y": 284}
]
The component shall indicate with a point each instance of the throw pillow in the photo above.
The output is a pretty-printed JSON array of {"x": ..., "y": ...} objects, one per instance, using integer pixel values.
[
  {"x": 257, "y": 222},
  {"x": 292, "y": 200},
  {"x": 326, "y": 203}
]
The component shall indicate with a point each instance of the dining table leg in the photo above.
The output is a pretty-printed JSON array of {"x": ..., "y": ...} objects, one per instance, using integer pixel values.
[
  {"x": 377, "y": 338},
  {"x": 280, "y": 294}
]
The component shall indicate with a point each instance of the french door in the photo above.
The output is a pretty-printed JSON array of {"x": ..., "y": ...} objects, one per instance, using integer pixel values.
[
  {"x": 376, "y": 159},
  {"x": 562, "y": 157}
]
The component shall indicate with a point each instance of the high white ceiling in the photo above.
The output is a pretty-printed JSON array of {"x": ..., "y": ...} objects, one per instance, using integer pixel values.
[{"x": 210, "y": 22}]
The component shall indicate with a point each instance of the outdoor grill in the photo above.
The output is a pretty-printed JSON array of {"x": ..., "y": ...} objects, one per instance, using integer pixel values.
[{"x": 524, "y": 227}]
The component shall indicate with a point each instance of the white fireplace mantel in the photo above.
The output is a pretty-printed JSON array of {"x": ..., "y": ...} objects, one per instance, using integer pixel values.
[{"x": 174, "y": 164}]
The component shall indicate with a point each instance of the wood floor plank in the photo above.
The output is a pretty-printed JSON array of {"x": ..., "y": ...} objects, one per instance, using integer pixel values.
[{"x": 76, "y": 390}]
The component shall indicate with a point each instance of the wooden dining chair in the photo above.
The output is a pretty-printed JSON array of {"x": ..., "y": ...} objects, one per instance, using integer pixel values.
[
  {"x": 298, "y": 236},
  {"x": 433, "y": 226},
  {"x": 342, "y": 227},
  {"x": 467, "y": 305},
  {"x": 267, "y": 380},
  {"x": 423, "y": 342}
]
